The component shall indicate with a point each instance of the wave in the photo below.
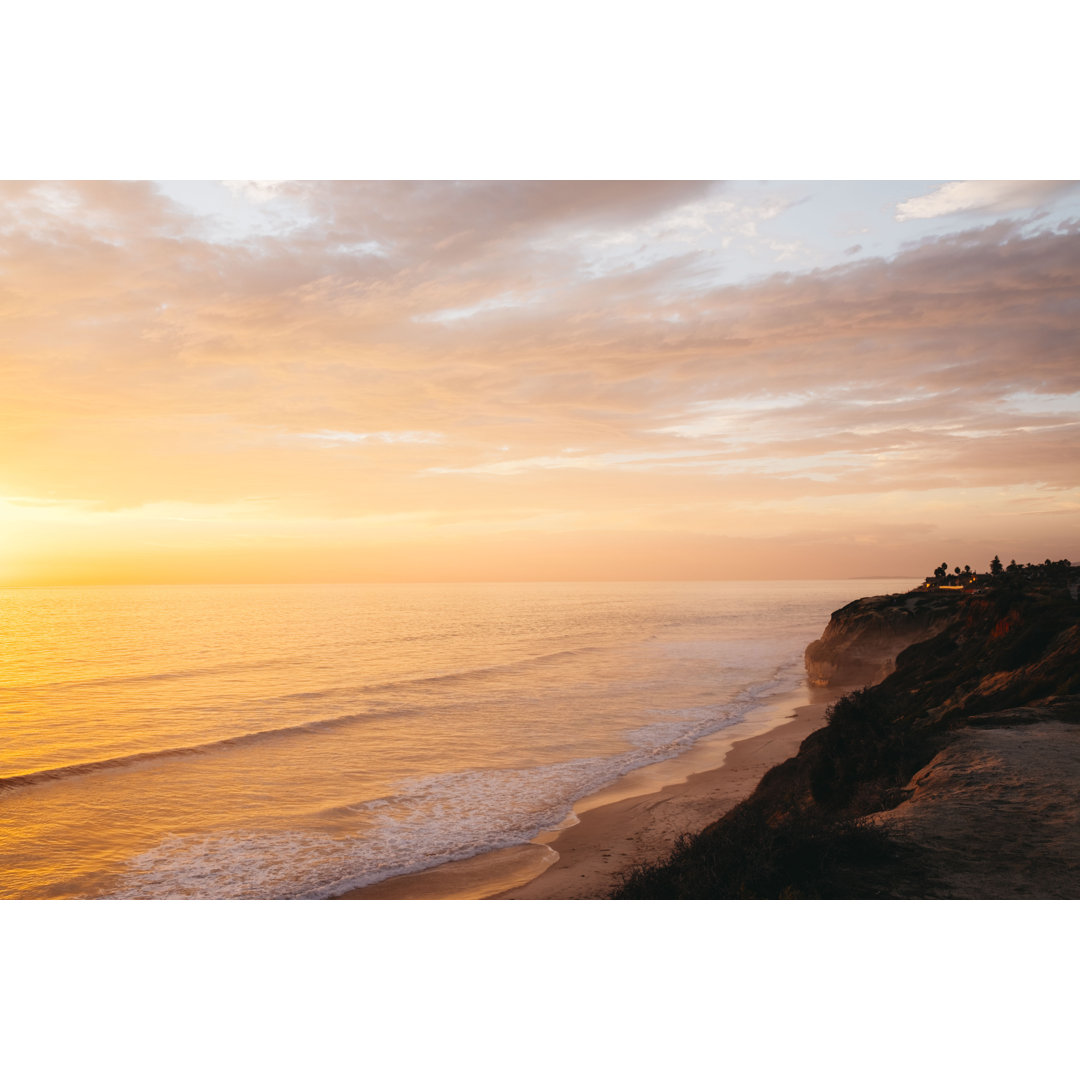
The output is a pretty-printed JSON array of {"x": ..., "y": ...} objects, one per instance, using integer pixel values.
[
  {"x": 123, "y": 761},
  {"x": 429, "y": 821},
  {"x": 217, "y": 669},
  {"x": 149, "y": 677},
  {"x": 465, "y": 675},
  {"x": 741, "y": 701}
]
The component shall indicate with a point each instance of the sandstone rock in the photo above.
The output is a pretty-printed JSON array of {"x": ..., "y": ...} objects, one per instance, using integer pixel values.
[{"x": 863, "y": 639}]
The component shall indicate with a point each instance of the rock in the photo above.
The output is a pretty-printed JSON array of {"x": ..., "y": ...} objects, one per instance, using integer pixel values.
[{"x": 862, "y": 640}]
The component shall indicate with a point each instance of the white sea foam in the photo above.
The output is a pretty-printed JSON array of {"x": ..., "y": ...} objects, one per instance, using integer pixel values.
[{"x": 430, "y": 821}]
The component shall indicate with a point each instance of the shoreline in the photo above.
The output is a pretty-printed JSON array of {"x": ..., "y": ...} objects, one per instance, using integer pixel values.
[{"x": 636, "y": 819}]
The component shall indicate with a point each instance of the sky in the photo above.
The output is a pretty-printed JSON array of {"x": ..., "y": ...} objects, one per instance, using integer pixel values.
[{"x": 294, "y": 381}]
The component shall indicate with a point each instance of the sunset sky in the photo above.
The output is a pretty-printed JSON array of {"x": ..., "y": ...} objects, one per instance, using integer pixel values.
[{"x": 278, "y": 381}]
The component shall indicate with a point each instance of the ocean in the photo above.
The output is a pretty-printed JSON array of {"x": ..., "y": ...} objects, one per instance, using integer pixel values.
[{"x": 294, "y": 742}]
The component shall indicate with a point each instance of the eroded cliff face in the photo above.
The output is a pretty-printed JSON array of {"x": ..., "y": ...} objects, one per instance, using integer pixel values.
[{"x": 862, "y": 640}]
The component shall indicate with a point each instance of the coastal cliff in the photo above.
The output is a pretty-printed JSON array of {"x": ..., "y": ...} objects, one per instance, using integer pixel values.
[
  {"x": 863, "y": 639},
  {"x": 952, "y": 772}
]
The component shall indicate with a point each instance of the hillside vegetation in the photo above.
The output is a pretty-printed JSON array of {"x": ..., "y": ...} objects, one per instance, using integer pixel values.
[{"x": 1002, "y": 652}]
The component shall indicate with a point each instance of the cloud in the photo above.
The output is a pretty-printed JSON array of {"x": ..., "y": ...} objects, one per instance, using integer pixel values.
[
  {"x": 445, "y": 221},
  {"x": 256, "y": 191},
  {"x": 452, "y": 341},
  {"x": 378, "y": 436},
  {"x": 641, "y": 461},
  {"x": 983, "y": 196}
]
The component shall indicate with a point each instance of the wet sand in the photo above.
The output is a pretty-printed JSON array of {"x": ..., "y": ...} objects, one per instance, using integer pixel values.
[
  {"x": 611, "y": 838},
  {"x": 637, "y": 819}
]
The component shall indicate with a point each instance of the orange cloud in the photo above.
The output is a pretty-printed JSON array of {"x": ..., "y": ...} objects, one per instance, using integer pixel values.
[{"x": 448, "y": 380}]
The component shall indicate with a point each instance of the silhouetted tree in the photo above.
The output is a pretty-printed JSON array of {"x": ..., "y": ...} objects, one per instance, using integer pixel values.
[{"x": 995, "y": 566}]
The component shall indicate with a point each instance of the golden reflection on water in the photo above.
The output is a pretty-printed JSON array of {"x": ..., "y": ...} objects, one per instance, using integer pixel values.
[{"x": 295, "y": 733}]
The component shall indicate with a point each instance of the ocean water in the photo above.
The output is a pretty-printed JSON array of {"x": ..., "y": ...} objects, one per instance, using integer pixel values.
[{"x": 297, "y": 741}]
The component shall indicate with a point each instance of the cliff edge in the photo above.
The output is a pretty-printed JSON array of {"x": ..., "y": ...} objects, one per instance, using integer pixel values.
[
  {"x": 953, "y": 772},
  {"x": 862, "y": 640}
]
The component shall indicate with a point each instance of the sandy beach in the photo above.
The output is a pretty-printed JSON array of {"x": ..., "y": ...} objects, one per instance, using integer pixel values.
[{"x": 637, "y": 819}]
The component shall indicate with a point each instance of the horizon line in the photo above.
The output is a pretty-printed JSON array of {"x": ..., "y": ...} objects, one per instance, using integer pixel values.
[{"x": 436, "y": 581}]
